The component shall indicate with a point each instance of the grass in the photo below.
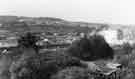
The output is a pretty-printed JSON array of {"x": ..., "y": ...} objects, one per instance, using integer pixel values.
[{"x": 126, "y": 58}]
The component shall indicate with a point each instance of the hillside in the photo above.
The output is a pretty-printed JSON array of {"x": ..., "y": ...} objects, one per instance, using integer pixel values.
[{"x": 50, "y": 24}]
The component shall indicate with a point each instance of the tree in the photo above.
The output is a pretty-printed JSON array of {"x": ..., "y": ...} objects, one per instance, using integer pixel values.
[
  {"x": 92, "y": 48},
  {"x": 48, "y": 64},
  {"x": 28, "y": 41}
]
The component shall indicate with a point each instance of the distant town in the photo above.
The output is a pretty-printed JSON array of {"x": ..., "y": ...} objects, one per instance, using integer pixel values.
[{"x": 59, "y": 31}]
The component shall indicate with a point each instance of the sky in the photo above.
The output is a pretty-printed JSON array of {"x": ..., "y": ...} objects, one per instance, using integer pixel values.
[{"x": 100, "y": 11}]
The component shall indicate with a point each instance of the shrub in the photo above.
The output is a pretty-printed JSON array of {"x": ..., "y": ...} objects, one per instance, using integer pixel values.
[
  {"x": 127, "y": 48},
  {"x": 42, "y": 66},
  {"x": 29, "y": 40},
  {"x": 73, "y": 73},
  {"x": 127, "y": 60},
  {"x": 126, "y": 73}
]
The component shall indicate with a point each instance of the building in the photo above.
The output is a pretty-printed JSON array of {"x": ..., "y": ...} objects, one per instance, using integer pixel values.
[
  {"x": 8, "y": 43},
  {"x": 111, "y": 36},
  {"x": 129, "y": 34}
]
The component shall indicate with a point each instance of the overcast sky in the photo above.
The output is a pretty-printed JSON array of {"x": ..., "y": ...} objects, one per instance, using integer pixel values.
[{"x": 104, "y": 11}]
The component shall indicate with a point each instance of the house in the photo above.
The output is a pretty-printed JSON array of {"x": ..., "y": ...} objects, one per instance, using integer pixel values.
[
  {"x": 129, "y": 34},
  {"x": 111, "y": 36},
  {"x": 8, "y": 43}
]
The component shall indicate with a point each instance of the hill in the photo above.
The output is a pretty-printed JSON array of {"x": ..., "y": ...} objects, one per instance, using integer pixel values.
[{"x": 42, "y": 24}]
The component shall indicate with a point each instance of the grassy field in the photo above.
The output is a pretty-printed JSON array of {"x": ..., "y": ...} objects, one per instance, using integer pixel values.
[{"x": 126, "y": 58}]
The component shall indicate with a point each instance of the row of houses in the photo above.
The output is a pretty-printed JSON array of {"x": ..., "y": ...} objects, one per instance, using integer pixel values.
[
  {"x": 8, "y": 43},
  {"x": 7, "y": 39},
  {"x": 118, "y": 36}
]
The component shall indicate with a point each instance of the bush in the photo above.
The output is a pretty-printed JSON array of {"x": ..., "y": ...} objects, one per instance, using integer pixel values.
[
  {"x": 127, "y": 60},
  {"x": 127, "y": 48},
  {"x": 83, "y": 73},
  {"x": 126, "y": 73},
  {"x": 29, "y": 40},
  {"x": 73, "y": 73},
  {"x": 42, "y": 66}
]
